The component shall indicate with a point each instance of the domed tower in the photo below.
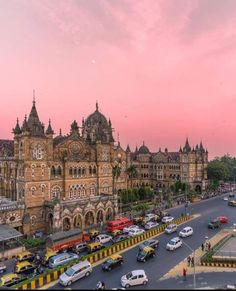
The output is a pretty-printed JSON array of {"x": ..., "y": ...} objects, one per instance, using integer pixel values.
[{"x": 97, "y": 128}]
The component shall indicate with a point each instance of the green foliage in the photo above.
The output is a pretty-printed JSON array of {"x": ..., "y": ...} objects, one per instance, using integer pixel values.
[
  {"x": 218, "y": 170},
  {"x": 135, "y": 194},
  {"x": 213, "y": 185},
  {"x": 31, "y": 242},
  {"x": 142, "y": 207},
  {"x": 116, "y": 171}
]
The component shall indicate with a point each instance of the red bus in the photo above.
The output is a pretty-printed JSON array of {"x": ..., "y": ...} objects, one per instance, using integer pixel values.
[
  {"x": 65, "y": 239},
  {"x": 118, "y": 223}
]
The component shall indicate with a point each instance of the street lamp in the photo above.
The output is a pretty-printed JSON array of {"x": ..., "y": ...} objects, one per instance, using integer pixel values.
[{"x": 194, "y": 270}]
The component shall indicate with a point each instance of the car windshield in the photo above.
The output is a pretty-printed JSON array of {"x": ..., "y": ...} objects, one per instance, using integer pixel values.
[
  {"x": 146, "y": 243},
  {"x": 70, "y": 272},
  {"x": 142, "y": 254},
  {"x": 129, "y": 275},
  {"x": 172, "y": 242},
  {"x": 109, "y": 261}
]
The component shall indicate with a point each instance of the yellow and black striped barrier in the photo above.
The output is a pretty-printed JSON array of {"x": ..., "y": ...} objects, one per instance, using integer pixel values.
[
  {"x": 218, "y": 264},
  {"x": 93, "y": 258}
]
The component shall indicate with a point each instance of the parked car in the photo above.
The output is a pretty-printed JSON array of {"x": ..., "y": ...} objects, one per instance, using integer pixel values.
[
  {"x": 120, "y": 238},
  {"x": 3, "y": 268},
  {"x": 134, "y": 232},
  {"x": 167, "y": 219},
  {"x": 171, "y": 228},
  {"x": 93, "y": 247},
  {"x": 136, "y": 277},
  {"x": 62, "y": 259},
  {"x": 214, "y": 223},
  {"x": 25, "y": 256},
  {"x": 103, "y": 238},
  {"x": 24, "y": 267},
  {"x": 153, "y": 243},
  {"x": 185, "y": 232},
  {"x": 9, "y": 280},
  {"x": 174, "y": 243},
  {"x": 150, "y": 225},
  {"x": 112, "y": 262},
  {"x": 76, "y": 272},
  {"x": 138, "y": 219},
  {"x": 145, "y": 254},
  {"x": 222, "y": 219},
  {"x": 151, "y": 217},
  {"x": 128, "y": 228}
]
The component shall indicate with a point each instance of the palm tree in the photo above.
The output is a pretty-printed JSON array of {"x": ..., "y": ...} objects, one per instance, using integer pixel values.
[
  {"x": 133, "y": 173},
  {"x": 116, "y": 171}
]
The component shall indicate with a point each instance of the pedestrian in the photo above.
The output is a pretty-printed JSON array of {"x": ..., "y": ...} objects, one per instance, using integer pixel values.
[
  {"x": 192, "y": 261},
  {"x": 209, "y": 246},
  {"x": 189, "y": 261},
  {"x": 206, "y": 246},
  {"x": 202, "y": 247},
  {"x": 184, "y": 274}
]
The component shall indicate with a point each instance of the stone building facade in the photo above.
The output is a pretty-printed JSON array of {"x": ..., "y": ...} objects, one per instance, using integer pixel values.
[
  {"x": 58, "y": 183},
  {"x": 66, "y": 181}
]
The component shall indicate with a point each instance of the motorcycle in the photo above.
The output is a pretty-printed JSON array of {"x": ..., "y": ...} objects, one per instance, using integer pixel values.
[{"x": 100, "y": 286}]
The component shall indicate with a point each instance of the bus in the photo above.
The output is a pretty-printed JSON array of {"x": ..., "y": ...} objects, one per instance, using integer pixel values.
[
  {"x": 118, "y": 223},
  {"x": 66, "y": 239}
]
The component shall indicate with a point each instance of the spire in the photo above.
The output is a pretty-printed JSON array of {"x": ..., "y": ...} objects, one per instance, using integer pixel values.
[
  {"x": 82, "y": 121},
  {"x": 160, "y": 150},
  {"x": 187, "y": 147},
  {"x": 17, "y": 130},
  {"x": 202, "y": 148},
  {"x": 143, "y": 143},
  {"x": 35, "y": 126},
  {"x": 136, "y": 149},
  {"x": 180, "y": 149},
  {"x": 109, "y": 122},
  {"x": 74, "y": 127},
  {"x": 96, "y": 105},
  {"x": 128, "y": 149},
  {"x": 60, "y": 132},
  {"x": 166, "y": 150},
  {"x": 49, "y": 129},
  {"x": 25, "y": 126}
]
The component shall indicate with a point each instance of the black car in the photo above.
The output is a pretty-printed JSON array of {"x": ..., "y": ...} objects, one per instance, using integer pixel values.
[
  {"x": 120, "y": 238},
  {"x": 153, "y": 243},
  {"x": 112, "y": 262},
  {"x": 231, "y": 195},
  {"x": 145, "y": 254},
  {"x": 215, "y": 223}
]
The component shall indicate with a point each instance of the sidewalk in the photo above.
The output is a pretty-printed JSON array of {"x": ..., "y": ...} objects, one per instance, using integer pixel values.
[{"x": 178, "y": 269}]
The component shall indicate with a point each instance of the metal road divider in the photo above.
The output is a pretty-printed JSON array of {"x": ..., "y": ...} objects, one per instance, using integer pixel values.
[
  {"x": 218, "y": 264},
  {"x": 53, "y": 275}
]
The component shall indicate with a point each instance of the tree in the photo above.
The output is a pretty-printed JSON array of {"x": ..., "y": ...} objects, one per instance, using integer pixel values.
[
  {"x": 133, "y": 173},
  {"x": 116, "y": 171},
  {"x": 218, "y": 170},
  {"x": 142, "y": 207}
]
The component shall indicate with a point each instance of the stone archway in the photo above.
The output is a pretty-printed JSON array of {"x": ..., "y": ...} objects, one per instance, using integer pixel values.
[
  {"x": 89, "y": 219},
  {"x": 198, "y": 189},
  {"x": 66, "y": 223},
  {"x": 77, "y": 221},
  {"x": 100, "y": 216},
  {"x": 109, "y": 214}
]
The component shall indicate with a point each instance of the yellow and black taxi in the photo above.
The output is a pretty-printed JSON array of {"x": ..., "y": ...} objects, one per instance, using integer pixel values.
[
  {"x": 93, "y": 233},
  {"x": 93, "y": 247},
  {"x": 24, "y": 267},
  {"x": 138, "y": 219},
  {"x": 116, "y": 232},
  {"x": 26, "y": 255},
  {"x": 112, "y": 262},
  {"x": 145, "y": 254},
  {"x": 9, "y": 280}
]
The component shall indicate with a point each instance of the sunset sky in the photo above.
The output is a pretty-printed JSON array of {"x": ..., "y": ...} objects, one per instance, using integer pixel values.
[{"x": 162, "y": 70}]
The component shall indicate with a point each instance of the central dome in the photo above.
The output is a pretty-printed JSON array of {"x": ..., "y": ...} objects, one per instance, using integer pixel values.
[
  {"x": 96, "y": 118},
  {"x": 143, "y": 149}
]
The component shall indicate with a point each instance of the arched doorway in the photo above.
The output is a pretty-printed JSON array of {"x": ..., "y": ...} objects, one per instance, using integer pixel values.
[
  {"x": 78, "y": 221},
  {"x": 66, "y": 224},
  {"x": 109, "y": 214},
  {"x": 89, "y": 219},
  {"x": 100, "y": 216},
  {"x": 50, "y": 221},
  {"x": 198, "y": 189}
]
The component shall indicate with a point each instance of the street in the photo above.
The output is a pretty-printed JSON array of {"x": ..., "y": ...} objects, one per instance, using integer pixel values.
[{"x": 155, "y": 268}]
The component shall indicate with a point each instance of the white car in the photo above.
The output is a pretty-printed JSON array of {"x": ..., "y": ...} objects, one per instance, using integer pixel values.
[
  {"x": 167, "y": 219},
  {"x": 174, "y": 244},
  {"x": 128, "y": 228},
  {"x": 136, "y": 277},
  {"x": 225, "y": 198},
  {"x": 103, "y": 238},
  {"x": 187, "y": 231},
  {"x": 134, "y": 232},
  {"x": 171, "y": 228},
  {"x": 150, "y": 225},
  {"x": 149, "y": 216}
]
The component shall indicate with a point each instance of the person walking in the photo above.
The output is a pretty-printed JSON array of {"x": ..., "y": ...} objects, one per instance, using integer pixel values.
[
  {"x": 202, "y": 246},
  {"x": 189, "y": 261},
  {"x": 192, "y": 262},
  {"x": 209, "y": 246},
  {"x": 184, "y": 274}
]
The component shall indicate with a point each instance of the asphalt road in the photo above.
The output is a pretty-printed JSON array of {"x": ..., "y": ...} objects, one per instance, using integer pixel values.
[{"x": 165, "y": 260}]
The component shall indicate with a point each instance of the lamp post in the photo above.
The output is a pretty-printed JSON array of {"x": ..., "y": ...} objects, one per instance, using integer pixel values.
[{"x": 194, "y": 270}]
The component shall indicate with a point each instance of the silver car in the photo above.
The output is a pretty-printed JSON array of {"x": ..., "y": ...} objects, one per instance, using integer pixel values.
[
  {"x": 76, "y": 272},
  {"x": 62, "y": 259}
]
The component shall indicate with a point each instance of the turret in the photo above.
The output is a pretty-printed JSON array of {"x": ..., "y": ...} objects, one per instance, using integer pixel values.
[
  {"x": 17, "y": 129},
  {"x": 49, "y": 130}
]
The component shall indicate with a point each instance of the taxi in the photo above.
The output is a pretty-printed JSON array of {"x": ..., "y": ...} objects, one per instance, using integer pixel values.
[
  {"x": 49, "y": 253},
  {"x": 93, "y": 233},
  {"x": 9, "y": 280},
  {"x": 145, "y": 254},
  {"x": 138, "y": 219},
  {"x": 93, "y": 247},
  {"x": 112, "y": 262},
  {"x": 25, "y": 256},
  {"x": 24, "y": 267},
  {"x": 116, "y": 232}
]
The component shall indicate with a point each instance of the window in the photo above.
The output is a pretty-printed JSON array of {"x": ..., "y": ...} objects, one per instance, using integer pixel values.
[
  {"x": 71, "y": 172},
  {"x": 53, "y": 172},
  {"x": 38, "y": 152},
  {"x": 92, "y": 190},
  {"x": 59, "y": 171},
  {"x": 55, "y": 192},
  {"x": 43, "y": 186},
  {"x": 33, "y": 190},
  {"x": 32, "y": 170}
]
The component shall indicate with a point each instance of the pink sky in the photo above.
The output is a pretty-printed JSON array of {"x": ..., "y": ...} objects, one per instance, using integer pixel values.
[{"x": 161, "y": 70}]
